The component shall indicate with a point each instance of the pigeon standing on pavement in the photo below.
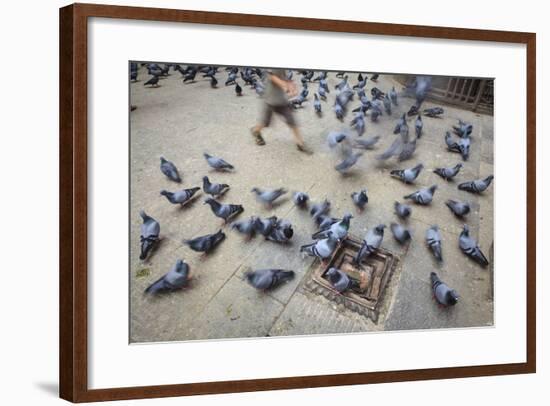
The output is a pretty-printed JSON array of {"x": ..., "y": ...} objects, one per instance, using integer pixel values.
[
  {"x": 402, "y": 210},
  {"x": 205, "y": 243},
  {"x": 371, "y": 243},
  {"x": 265, "y": 279},
  {"x": 407, "y": 175},
  {"x": 170, "y": 170},
  {"x": 360, "y": 199},
  {"x": 238, "y": 89},
  {"x": 213, "y": 189},
  {"x": 418, "y": 125},
  {"x": 470, "y": 247},
  {"x": 338, "y": 230},
  {"x": 422, "y": 196},
  {"x": 444, "y": 295},
  {"x": 150, "y": 230},
  {"x": 448, "y": 173},
  {"x": 476, "y": 186},
  {"x": 433, "y": 239},
  {"x": 433, "y": 112},
  {"x": 459, "y": 209},
  {"x": 154, "y": 81},
  {"x": 218, "y": 163},
  {"x": 245, "y": 227},
  {"x": 265, "y": 226},
  {"x": 393, "y": 96},
  {"x": 400, "y": 233},
  {"x": 322, "y": 249},
  {"x": 224, "y": 211},
  {"x": 300, "y": 199},
  {"x": 180, "y": 197},
  {"x": 317, "y": 104},
  {"x": 175, "y": 279}
]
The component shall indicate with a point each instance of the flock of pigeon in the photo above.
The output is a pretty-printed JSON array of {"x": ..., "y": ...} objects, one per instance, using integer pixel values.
[{"x": 331, "y": 231}]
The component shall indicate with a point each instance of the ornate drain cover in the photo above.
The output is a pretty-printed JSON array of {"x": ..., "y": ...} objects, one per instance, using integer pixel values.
[{"x": 373, "y": 275}]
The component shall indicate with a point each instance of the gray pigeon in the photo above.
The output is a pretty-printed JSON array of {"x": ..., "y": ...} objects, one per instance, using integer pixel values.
[
  {"x": 444, "y": 295},
  {"x": 339, "y": 111},
  {"x": 205, "y": 243},
  {"x": 360, "y": 199},
  {"x": 451, "y": 144},
  {"x": 265, "y": 279},
  {"x": 324, "y": 221},
  {"x": 433, "y": 239},
  {"x": 418, "y": 125},
  {"x": 464, "y": 148},
  {"x": 470, "y": 247},
  {"x": 448, "y": 173},
  {"x": 407, "y": 151},
  {"x": 348, "y": 162},
  {"x": 217, "y": 163},
  {"x": 367, "y": 143},
  {"x": 402, "y": 121},
  {"x": 213, "y": 189},
  {"x": 265, "y": 226},
  {"x": 268, "y": 196},
  {"x": 422, "y": 196},
  {"x": 181, "y": 196},
  {"x": 336, "y": 137},
  {"x": 402, "y": 210},
  {"x": 338, "y": 230},
  {"x": 400, "y": 233},
  {"x": 340, "y": 281},
  {"x": 281, "y": 232},
  {"x": 154, "y": 81},
  {"x": 394, "y": 149},
  {"x": 319, "y": 209},
  {"x": 224, "y": 211},
  {"x": 176, "y": 278},
  {"x": 170, "y": 170},
  {"x": 245, "y": 227},
  {"x": 407, "y": 175},
  {"x": 322, "y": 248},
  {"x": 387, "y": 104},
  {"x": 300, "y": 199},
  {"x": 371, "y": 242},
  {"x": 458, "y": 208},
  {"x": 476, "y": 186},
  {"x": 433, "y": 112},
  {"x": 393, "y": 96},
  {"x": 150, "y": 230},
  {"x": 317, "y": 104},
  {"x": 463, "y": 129}
]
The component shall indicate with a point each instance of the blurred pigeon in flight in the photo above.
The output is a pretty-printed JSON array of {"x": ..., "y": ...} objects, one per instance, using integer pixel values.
[
  {"x": 319, "y": 209},
  {"x": 267, "y": 197},
  {"x": 245, "y": 227},
  {"x": 348, "y": 162},
  {"x": 367, "y": 143}
]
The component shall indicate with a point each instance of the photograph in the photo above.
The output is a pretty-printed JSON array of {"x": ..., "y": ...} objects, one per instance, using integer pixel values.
[{"x": 289, "y": 201}]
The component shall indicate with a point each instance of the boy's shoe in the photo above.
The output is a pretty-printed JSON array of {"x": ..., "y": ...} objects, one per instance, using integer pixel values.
[{"x": 258, "y": 137}]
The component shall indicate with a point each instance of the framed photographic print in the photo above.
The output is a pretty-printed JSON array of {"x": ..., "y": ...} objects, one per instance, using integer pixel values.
[{"x": 254, "y": 202}]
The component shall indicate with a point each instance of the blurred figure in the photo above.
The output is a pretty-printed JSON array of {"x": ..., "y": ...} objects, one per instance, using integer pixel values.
[{"x": 277, "y": 91}]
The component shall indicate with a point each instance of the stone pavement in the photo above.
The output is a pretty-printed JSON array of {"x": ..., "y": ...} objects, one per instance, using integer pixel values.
[{"x": 180, "y": 122}]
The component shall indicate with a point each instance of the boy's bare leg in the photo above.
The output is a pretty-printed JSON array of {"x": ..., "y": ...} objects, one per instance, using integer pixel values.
[{"x": 300, "y": 141}]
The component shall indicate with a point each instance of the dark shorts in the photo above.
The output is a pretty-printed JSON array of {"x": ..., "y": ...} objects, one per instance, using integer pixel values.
[{"x": 283, "y": 110}]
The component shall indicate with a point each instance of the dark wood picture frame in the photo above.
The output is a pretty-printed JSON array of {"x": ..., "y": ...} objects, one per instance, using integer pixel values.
[{"x": 73, "y": 362}]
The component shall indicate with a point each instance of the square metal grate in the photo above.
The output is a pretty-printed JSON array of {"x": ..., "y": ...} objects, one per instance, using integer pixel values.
[{"x": 373, "y": 275}]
